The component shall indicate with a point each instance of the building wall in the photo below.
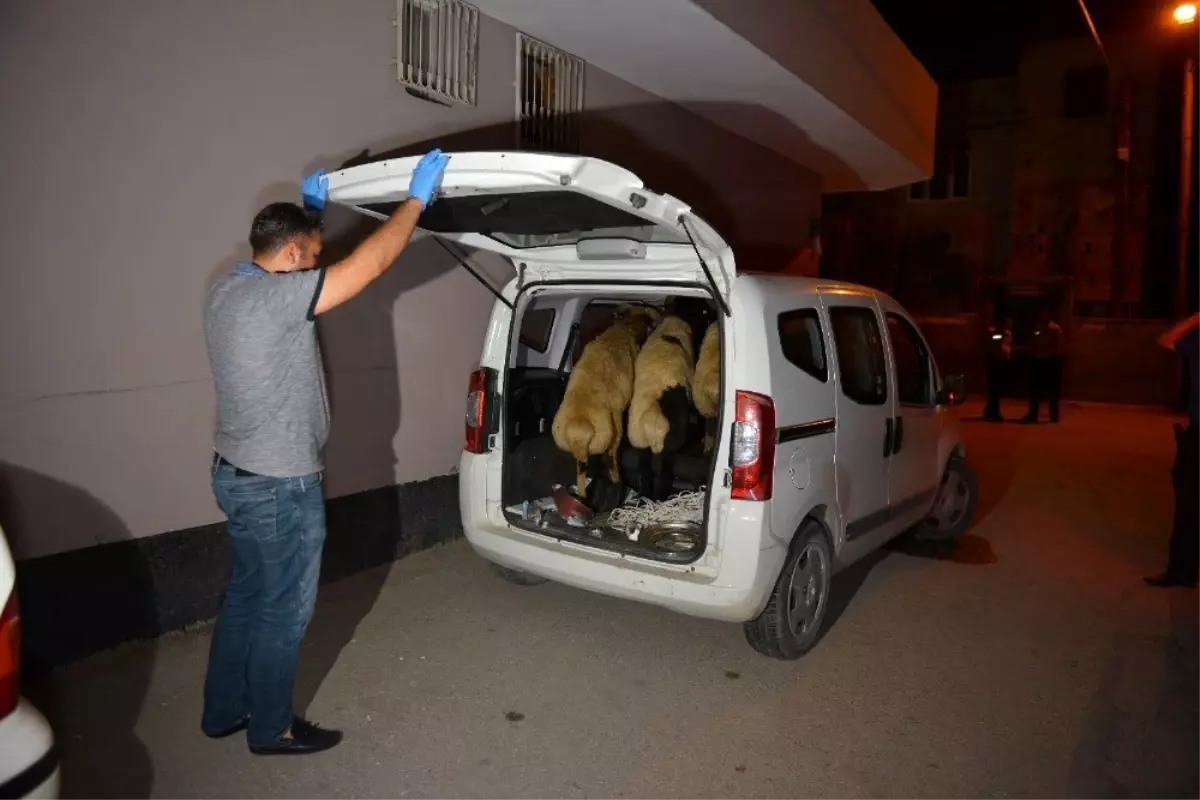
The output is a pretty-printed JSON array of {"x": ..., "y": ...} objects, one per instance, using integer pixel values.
[
  {"x": 139, "y": 139},
  {"x": 845, "y": 51},
  {"x": 934, "y": 253},
  {"x": 1043, "y": 222},
  {"x": 1063, "y": 196},
  {"x": 1080, "y": 211}
]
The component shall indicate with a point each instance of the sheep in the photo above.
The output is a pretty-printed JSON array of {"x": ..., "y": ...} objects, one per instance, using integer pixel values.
[
  {"x": 706, "y": 381},
  {"x": 695, "y": 311},
  {"x": 660, "y": 409},
  {"x": 590, "y": 420}
]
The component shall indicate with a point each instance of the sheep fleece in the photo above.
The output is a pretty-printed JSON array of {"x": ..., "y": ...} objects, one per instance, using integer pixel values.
[
  {"x": 589, "y": 420},
  {"x": 706, "y": 389},
  {"x": 665, "y": 361}
]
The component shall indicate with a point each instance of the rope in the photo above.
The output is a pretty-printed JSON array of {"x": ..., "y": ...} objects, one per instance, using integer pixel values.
[{"x": 683, "y": 507}]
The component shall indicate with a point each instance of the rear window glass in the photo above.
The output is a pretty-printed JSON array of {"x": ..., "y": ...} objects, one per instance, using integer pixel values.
[
  {"x": 537, "y": 219},
  {"x": 802, "y": 343},
  {"x": 536, "y": 326}
]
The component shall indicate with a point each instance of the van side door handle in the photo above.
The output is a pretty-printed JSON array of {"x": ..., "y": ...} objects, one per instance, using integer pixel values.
[
  {"x": 898, "y": 438},
  {"x": 887, "y": 438}
]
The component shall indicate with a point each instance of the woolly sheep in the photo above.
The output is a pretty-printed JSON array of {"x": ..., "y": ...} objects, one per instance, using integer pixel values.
[{"x": 590, "y": 420}]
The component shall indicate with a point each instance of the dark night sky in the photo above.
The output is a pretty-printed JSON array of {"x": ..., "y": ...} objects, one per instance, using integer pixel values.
[{"x": 959, "y": 39}]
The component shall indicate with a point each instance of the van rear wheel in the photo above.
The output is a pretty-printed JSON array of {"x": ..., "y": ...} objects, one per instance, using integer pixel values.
[
  {"x": 791, "y": 623},
  {"x": 518, "y": 578}
]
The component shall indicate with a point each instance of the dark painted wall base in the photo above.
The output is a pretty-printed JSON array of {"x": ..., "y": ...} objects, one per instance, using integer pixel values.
[{"x": 84, "y": 601}]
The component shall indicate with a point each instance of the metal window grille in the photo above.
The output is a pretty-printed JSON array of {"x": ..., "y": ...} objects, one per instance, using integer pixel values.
[
  {"x": 549, "y": 97},
  {"x": 437, "y": 49}
]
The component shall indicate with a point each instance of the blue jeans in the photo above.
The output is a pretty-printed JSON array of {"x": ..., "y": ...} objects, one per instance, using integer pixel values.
[{"x": 276, "y": 531}]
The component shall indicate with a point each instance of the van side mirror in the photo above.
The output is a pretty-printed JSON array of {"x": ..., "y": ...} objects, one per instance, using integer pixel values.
[{"x": 953, "y": 391}]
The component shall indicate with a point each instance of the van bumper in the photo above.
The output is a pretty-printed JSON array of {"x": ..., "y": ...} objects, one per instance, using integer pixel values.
[
  {"x": 737, "y": 593},
  {"x": 28, "y": 757}
]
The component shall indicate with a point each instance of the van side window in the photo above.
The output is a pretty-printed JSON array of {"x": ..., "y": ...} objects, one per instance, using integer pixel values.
[
  {"x": 536, "y": 325},
  {"x": 914, "y": 368},
  {"x": 802, "y": 343},
  {"x": 859, "y": 346}
]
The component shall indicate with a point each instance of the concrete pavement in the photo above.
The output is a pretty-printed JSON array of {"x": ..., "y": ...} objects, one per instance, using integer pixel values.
[{"x": 1031, "y": 662}]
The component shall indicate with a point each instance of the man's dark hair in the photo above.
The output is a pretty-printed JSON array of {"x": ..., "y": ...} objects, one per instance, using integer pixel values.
[{"x": 278, "y": 224}]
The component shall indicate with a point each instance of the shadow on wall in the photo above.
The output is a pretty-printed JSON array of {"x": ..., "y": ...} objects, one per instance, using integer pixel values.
[{"x": 67, "y": 614}]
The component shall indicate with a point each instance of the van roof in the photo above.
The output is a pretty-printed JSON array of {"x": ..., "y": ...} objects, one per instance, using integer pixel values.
[{"x": 766, "y": 282}]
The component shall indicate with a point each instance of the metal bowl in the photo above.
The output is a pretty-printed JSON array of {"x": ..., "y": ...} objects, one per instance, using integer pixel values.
[{"x": 679, "y": 538}]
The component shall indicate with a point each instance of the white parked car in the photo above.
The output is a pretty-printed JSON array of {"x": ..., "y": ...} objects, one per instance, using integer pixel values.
[
  {"x": 833, "y": 433},
  {"x": 28, "y": 759}
]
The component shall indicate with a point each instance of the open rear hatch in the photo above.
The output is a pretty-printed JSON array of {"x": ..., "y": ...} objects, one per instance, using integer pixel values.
[{"x": 560, "y": 217}]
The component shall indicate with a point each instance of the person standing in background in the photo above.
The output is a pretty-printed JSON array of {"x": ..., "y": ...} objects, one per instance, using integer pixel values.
[
  {"x": 998, "y": 350},
  {"x": 1183, "y": 554},
  {"x": 1046, "y": 367}
]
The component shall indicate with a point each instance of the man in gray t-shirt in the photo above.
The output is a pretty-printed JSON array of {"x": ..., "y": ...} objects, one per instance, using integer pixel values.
[
  {"x": 272, "y": 423},
  {"x": 272, "y": 417}
]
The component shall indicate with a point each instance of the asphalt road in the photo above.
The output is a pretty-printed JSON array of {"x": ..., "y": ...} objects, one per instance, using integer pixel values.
[{"x": 1031, "y": 662}]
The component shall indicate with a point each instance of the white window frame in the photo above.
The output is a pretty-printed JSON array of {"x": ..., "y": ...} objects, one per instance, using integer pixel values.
[
  {"x": 570, "y": 73},
  {"x": 453, "y": 50}
]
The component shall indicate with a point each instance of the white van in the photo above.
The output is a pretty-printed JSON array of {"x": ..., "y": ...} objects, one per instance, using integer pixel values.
[
  {"x": 28, "y": 756},
  {"x": 833, "y": 434}
]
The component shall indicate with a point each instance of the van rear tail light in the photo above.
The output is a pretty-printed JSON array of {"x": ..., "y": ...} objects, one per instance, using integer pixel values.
[
  {"x": 10, "y": 657},
  {"x": 475, "y": 433},
  {"x": 752, "y": 449}
]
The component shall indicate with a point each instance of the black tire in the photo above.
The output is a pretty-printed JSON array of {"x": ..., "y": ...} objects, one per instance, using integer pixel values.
[
  {"x": 773, "y": 633},
  {"x": 951, "y": 517},
  {"x": 518, "y": 578}
]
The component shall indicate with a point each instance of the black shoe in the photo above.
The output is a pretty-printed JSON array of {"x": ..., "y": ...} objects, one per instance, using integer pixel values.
[
  {"x": 306, "y": 738},
  {"x": 237, "y": 727},
  {"x": 1166, "y": 580},
  {"x": 1029, "y": 419}
]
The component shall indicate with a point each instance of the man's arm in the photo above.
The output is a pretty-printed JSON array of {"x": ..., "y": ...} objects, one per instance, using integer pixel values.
[
  {"x": 352, "y": 274},
  {"x": 1178, "y": 331},
  {"x": 348, "y": 277}
]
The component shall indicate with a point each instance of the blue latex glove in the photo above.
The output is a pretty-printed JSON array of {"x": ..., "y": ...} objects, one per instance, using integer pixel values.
[
  {"x": 315, "y": 189},
  {"x": 427, "y": 176}
]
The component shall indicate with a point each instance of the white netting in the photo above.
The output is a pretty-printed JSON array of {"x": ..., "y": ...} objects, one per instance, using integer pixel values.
[{"x": 683, "y": 507}]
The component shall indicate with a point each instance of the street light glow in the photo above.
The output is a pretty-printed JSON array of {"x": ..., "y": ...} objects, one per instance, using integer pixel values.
[{"x": 1185, "y": 13}]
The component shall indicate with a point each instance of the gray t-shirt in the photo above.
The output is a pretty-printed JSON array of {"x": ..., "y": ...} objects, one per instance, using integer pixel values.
[{"x": 272, "y": 410}]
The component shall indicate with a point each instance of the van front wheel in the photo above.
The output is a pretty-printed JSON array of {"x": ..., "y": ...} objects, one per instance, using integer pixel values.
[
  {"x": 954, "y": 507},
  {"x": 516, "y": 577},
  {"x": 791, "y": 623}
]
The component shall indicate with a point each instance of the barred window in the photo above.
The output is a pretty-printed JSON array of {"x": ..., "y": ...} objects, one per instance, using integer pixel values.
[
  {"x": 549, "y": 97},
  {"x": 437, "y": 49}
]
